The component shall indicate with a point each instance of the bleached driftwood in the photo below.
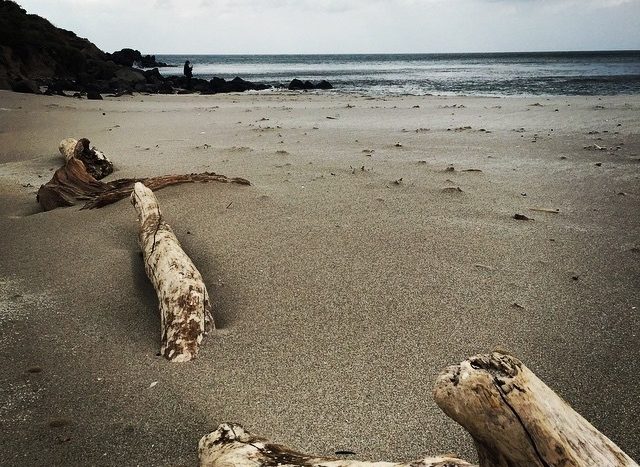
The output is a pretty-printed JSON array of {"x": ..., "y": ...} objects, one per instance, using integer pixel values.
[
  {"x": 78, "y": 181},
  {"x": 518, "y": 421},
  {"x": 96, "y": 163},
  {"x": 514, "y": 418},
  {"x": 67, "y": 148},
  {"x": 230, "y": 445},
  {"x": 185, "y": 310}
]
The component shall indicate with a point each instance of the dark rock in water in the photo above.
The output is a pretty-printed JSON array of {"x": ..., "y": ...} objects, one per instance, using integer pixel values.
[
  {"x": 94, "y": 95},
  {"x": 324, "y": 84},
  {"x": 26, "y": 86},
  {"x": 149, "y": 61},
  {"x": 296, "y": 84},
  {"x": 131, "y": 57},
  {"x": 237, "y": 84}
]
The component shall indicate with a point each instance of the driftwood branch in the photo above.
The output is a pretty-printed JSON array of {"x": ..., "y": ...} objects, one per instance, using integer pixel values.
[
  {"x": 74, "y": 182},
  {"x": 185, "y": 308},
  {"x": 231, "y": 445},
  {"x": 121, "y": 188},
  {"x": 514, "y": 418}
]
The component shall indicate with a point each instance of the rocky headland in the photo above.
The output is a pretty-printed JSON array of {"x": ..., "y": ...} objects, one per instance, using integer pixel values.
[{"x": 38, "y": 57}]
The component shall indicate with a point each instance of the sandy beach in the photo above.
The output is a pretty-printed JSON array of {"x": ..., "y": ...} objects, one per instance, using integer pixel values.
[{"x": 343, "y": 280}]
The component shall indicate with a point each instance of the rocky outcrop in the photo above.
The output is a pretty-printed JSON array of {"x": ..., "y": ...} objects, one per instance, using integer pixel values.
[
  {"x": 324, "y": 84},
  {"x": 131, "y": 57},
  {"x": 125, "y": 57},
  {"x": 26, "y": 86},
  {"x": 34, "y": 55},
  {"x": 298, "y": 85},
  {"x": 237, "y": 84},
  {"x": 32, "y": 48},
  {"x": 149, "y": 61},
  {"x": 130, "y": 76}
]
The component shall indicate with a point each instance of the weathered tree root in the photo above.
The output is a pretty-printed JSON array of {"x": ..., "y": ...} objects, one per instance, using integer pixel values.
[
  {"x": 74, "y": 183},
  {"x": 185, "y": 309},
  {"x": 96, "y": 163},
  {"x": 514, "y": 418}
]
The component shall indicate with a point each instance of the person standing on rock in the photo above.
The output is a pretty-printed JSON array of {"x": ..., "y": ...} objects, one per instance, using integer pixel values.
[{"x": 188, "y": 72}]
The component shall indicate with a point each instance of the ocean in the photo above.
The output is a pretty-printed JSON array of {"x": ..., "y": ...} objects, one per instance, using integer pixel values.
[{"x": 487, "y": 74}]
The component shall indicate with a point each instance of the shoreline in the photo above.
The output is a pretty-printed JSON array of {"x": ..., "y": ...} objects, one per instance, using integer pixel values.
[
  {"x": 338, "y": 293},
  {"x": 359, "y": 94},
  {"x": 283, "y": 91}
]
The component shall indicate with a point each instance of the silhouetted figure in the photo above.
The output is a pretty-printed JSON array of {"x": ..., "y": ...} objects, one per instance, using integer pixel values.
[{"x": 188, "y": 72}]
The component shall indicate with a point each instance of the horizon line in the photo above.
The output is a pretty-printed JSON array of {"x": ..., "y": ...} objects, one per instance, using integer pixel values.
[{"x": 402, "y": 53}]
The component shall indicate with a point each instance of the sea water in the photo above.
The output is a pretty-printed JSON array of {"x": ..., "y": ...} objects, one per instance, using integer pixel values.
[{"x": 488, "y": 74}]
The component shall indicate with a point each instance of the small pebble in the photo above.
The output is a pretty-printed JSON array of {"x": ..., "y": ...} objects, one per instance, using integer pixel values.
[{"x": 59, "y": 423}]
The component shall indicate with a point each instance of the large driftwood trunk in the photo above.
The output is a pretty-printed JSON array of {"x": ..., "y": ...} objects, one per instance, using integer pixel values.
[
  {"x": 518, "y": 421},
  {"x": 185, "y": 310},
  {"x": 230, "y": 445},
  {"x": 515, "y": 419},
  {"x": 74, "y": 182}
]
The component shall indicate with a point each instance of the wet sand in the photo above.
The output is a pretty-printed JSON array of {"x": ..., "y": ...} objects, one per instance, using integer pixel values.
[{"x": 344, "y": 279}]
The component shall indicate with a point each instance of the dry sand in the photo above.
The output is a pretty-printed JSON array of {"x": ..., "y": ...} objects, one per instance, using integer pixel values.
[{"x": 339, "y": 294}]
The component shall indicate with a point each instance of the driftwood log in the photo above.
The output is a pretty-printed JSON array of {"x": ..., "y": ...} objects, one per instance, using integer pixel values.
[
  {"x": 73, "y": 182},
  {"x": 514, "y": 418},
  {"x": 96, "y": 163},
  {"x": 230, "y": 445},
  {"x": 517, "y": 420},
  {"x": 185, "y": 310}
]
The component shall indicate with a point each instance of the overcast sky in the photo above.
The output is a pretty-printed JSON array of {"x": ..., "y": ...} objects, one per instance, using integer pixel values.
[{"x": 347, "y": 26}]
